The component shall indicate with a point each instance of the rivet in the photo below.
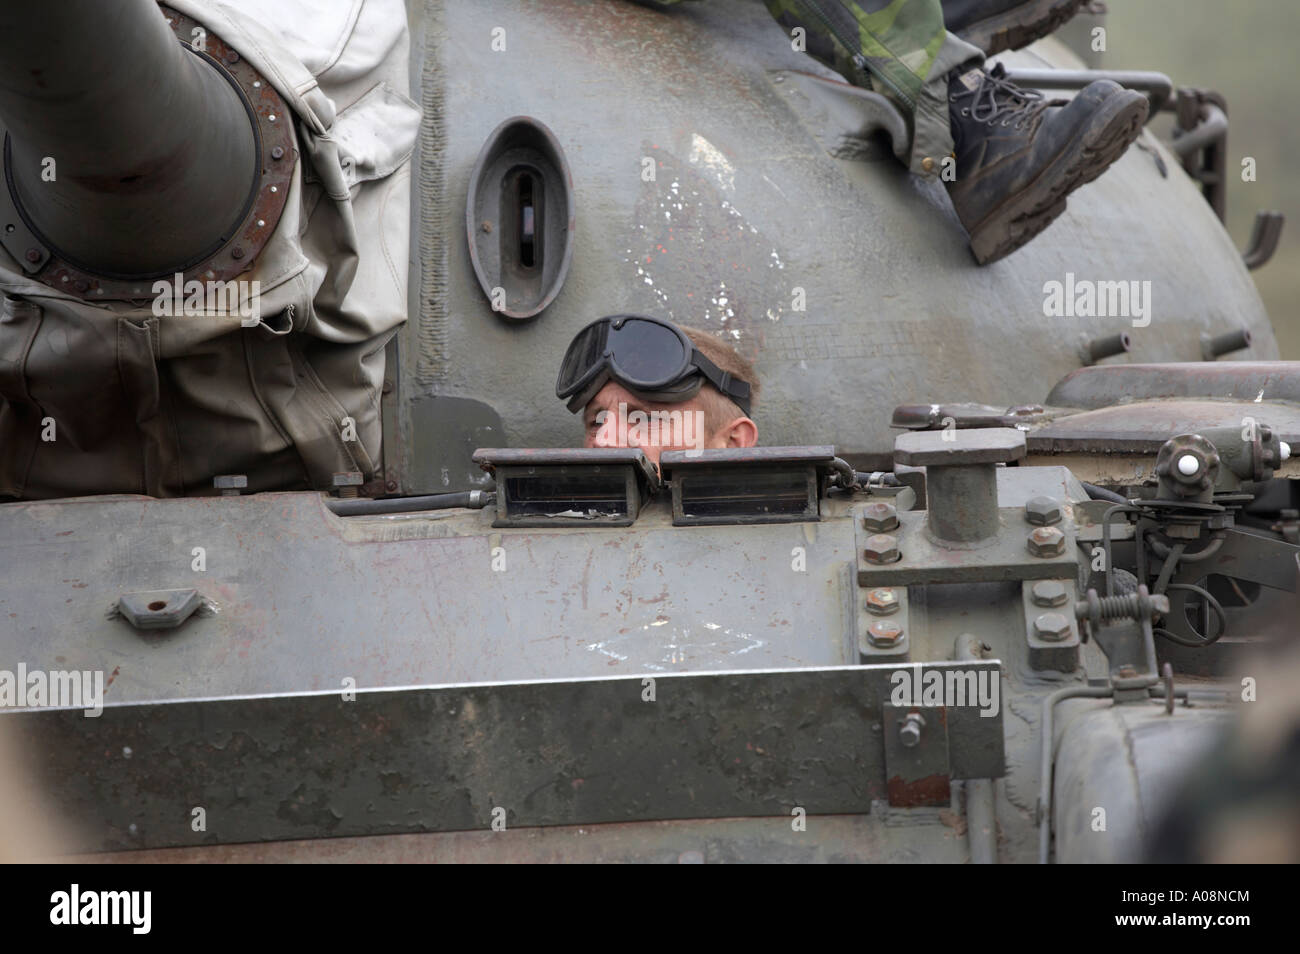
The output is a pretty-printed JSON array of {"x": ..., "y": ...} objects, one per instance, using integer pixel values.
[
  {"x": 927, "y": 164},
  {"x": 236, "y": 252}
]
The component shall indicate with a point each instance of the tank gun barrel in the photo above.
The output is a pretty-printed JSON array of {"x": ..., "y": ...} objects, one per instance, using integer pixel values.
[{"x": 128, "y": 151}]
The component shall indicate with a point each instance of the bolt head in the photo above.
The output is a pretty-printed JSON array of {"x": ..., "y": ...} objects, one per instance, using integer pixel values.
[
  {"x": 881, "y": 548},
  {"x": 909, "y": 733},
  {"x": 230, "y": 481},
  {"x": 277, "y": 152},
  {"x": 1046, "y": 542},
  {"x": 879, "y": 517},
  {"x": 1043, "y": 511},
  {"x": 33, "y": 255},
  {"x": 884, "y": 634},
  {"x": 1052, "y": 627},
  {"x": 882, "y": 600},
  {"x": 1048, "y": 593},
  {"x": 348, "y": 479}
]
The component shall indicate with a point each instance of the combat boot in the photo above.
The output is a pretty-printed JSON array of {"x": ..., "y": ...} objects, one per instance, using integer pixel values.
[
  {"x": 997, "y": 25},
  {"x": 1018, "y": 155}
]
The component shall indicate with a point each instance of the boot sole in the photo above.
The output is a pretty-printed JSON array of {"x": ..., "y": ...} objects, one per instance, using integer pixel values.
[
  {"x": 1032, "y": 209},
  {"x": 1010, "y": 30}
]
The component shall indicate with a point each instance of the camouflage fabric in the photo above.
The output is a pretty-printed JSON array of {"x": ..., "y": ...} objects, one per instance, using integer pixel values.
[{"x": 898, "y": 48}]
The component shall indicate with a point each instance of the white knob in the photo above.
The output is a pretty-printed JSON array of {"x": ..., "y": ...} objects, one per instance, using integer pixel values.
[
  {"x": 1286, "y": 450},
  {"x": 1188, "y": 464}
]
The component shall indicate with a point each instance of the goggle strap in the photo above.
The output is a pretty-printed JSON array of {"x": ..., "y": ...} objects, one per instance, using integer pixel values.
[{"x": 734, "y": 388}]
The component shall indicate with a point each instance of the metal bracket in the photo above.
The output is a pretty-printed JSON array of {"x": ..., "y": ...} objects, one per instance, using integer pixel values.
[
  {"x": 1121, "y": 625},
  {"x": 916, "y": 755},
  {"x": 159, "y": 609},
  {"x": 1201, "y": 142}
]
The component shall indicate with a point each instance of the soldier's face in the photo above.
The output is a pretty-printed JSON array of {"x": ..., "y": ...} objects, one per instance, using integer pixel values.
[{"x": 616, "y": 417}]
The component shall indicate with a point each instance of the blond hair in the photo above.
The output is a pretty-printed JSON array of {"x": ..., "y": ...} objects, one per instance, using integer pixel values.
[{"x": 720, "y": 410}]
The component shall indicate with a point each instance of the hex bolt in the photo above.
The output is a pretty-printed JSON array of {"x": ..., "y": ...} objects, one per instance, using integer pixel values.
[
  {"x": 881, "y": 548},
  {"x": 884, "y": 634},
  {"x": 1048, "y": 593},
  {"x": 230, "y": 484},
  {"x": 236, "y": 252},
  {"x": 33, "y": 255},
  {"x": 1043, "y": 511},
  {"x": 882, "y": 601},
  {"x": 879, "y": 517},
  {"x": 909, "y": 733},
  {"x": 346, "y": 483},
  {"x": 277, "y": 152},
  {"x": 1046, "y": 542},
  {"x": 1052, "y": 627}
]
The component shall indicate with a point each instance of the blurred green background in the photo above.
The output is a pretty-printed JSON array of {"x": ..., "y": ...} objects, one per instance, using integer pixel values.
[{"x": 1246, "y": 50}]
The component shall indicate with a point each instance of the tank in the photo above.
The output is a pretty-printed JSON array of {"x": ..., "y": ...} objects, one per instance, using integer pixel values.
[{"x": 1002, "y": 573}]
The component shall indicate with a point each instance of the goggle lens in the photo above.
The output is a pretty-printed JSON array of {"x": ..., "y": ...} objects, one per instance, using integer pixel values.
[{"x": 646, "y": 352}]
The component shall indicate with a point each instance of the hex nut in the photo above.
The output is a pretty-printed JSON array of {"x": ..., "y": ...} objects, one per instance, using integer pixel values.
[
  {"x": 1046, "y": 542},
  {"x": 884, "y": 634},
  {"x": 882, "y": 600},
  {"x": 230, "y": 481},
  {"x": 881, "y": 548},
  {"x": 1049, "y": 593},
  {"x": 1052, "y": 627},
  {"x": 346, "y": 482},
  {"x": 1043, "y": 511},
  {"x": 909, "y": 732},
  {"x": 879, "y": 517}
]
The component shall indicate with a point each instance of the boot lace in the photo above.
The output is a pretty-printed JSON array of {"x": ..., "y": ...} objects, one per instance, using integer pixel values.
[{"x": 997, "y": 98}]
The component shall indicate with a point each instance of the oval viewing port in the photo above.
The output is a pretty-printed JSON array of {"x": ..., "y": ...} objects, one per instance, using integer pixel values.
[{"x": 520, "y": 218}]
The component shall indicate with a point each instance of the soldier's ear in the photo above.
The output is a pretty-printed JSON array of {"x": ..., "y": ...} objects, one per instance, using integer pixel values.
[{"x": 741, "y": 432}]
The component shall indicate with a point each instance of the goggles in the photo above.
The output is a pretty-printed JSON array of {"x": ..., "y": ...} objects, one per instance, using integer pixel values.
[{"x": 651, "y": 357}]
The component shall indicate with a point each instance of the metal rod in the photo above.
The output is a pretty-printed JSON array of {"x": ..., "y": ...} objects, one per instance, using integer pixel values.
[
  {"x": 1158, "y": 87},
  {"x": 130, "y": 153},
  {"x": 1213, "y": 127},
  {"x": 981, "y": 802},
  {"x": 470, "y": 499}
]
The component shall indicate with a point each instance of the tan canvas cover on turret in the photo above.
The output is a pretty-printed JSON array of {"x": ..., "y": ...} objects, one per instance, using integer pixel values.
[{"x": 112, "y": 399}]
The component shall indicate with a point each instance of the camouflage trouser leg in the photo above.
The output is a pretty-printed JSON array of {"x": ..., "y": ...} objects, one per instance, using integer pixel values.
[{"x": 898, "y": 48}]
